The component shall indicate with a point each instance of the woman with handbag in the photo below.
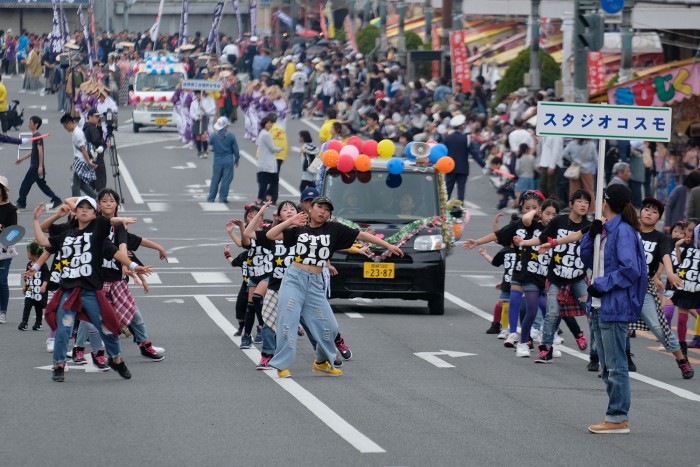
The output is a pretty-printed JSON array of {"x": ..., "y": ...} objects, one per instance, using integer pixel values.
[
  {"x": 582, "y": 154},
  {"x": 8, "y": 217}
]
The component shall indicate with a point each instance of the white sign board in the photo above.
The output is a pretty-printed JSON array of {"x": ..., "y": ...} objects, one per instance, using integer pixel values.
[
  {"x": 604, "y": 121},
  {"x": 201, "y": 85}
]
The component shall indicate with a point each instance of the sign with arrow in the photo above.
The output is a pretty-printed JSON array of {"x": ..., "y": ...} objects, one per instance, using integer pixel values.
[
  {"x": 432, "y": 357},
  {"x": 88, "y": 368}
]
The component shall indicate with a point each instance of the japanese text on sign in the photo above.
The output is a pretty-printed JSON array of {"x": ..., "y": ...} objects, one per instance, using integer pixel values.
[
  {"x": 201, "y": 85},
  {"x": 603, "y": 121},
  {"x": 461, "y": 73}
]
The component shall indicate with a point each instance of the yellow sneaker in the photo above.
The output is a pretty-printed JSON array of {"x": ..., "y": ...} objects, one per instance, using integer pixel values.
[
  {"x": 284, "y": 373},
  {"x": 325, "y": 367}
]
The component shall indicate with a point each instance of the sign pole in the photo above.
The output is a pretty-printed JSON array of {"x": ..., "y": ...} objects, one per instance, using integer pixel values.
[{"x": 600, "y": 183}]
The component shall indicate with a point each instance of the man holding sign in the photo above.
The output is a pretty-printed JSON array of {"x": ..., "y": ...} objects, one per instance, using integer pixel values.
[{"x": 36, "y": 173}]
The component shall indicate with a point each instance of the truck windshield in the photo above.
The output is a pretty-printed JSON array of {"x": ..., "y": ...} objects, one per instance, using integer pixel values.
[
  {"x": 381, "y": 197},
  {"x": 161, "y": 83}
]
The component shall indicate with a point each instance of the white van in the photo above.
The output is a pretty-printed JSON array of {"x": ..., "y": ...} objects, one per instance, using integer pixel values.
[{"x": 154, "y": 83}]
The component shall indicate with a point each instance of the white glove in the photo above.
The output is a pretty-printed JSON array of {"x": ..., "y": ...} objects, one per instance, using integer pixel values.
[{"x": 25, "y": 140}]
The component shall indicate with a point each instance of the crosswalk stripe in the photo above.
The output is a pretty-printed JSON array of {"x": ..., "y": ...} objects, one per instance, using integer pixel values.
[
  {"x": 210, "y": 278},
  {"x": 213, "y": 206}
]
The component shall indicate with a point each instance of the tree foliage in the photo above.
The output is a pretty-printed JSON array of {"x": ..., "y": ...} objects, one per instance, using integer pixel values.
[
  {"x": 413, "y": 41},
  {"x": 513, "y": 78},
  {"x": 367, "y": 38}
]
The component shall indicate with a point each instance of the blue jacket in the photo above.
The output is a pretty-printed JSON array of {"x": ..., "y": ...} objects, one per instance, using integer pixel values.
[
  {"x": 459, "y": 148},
  {"x": 624, "y": 282},
  {"x": 225, "y": 147}
]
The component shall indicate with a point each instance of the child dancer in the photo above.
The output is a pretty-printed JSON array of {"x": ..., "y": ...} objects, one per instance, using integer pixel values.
[
  {"x": 506, "y": 257},
  {"x": 35, "y": 290}
]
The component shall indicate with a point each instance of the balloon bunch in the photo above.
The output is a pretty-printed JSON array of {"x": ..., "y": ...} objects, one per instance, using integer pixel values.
[
  {"x": 358, "y": 154},
  {"x": 157, "y": 65}
]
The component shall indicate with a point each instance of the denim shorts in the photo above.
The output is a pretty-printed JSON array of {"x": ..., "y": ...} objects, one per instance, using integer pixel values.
[
  {"x": 505, "y": 296},
  {"x": 252, "y": 283},
  {"x": 527, "y": 287}
]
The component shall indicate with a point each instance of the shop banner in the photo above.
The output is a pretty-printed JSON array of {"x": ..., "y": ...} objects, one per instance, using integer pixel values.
[
  {"x": 663, "y": 88},
  {"x": 603, "y": 121},
  {"x": 436, "y": 46},
  {"x": 55, "y": 36},
  {"x": 347, "y": 25},
  {"x": 461, "y": 73},
  {"x": 596, "y": 72}
]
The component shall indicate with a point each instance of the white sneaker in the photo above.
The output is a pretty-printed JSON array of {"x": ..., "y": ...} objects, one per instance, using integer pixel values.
[
  {"x": 522, "y": 350},
  {"x": 158, "y": 349},
  {"x": 3, "y": 318},
  {"x": 558, "y": 340},
  {"x": 556, "y": 353},
  {"x": 511, "y": 340},
  {"x": 503, "y": 334},
  {"x": 49, "y": 344},
  {"x": 536, "y": 335}
]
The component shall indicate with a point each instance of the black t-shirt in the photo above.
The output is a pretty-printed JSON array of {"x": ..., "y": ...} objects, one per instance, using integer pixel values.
[
  {"x": 259, "y": 261},
  {"x": 8, "y": 215},
  {"x": 315, "y": 246},
  {"x": 656, "y": 245},
  {"x": 532, "y": 267},
  {"x": 689, "y": 271},
  {"x": 282, "y": 257},
  {"x": 82, "y": 254},
  {"x": 565, "y": 264},
  {"x": 32, "y": 285},
  {"x": 111, "y": 268},
  {"x": 506, "y": 257},
  {"x": 34, "y": 158},
  {"x": 56, "y": 264}
]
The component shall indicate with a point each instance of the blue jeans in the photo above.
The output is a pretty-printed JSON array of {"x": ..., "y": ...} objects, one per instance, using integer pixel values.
[
  {"x": 65, "y": 320},
  {"x": 30, "y": 179},
  {"x": 297, "y": 103},
  {"x": 222, "y": 175},
  {"x": 268, "y": 343},
  {"x": 552, "y": 320},
  {"x": 652, "y": 320},
  {"x": 138, "y": 328},
  {"x": 87, "y": 331},
  {"x": 302, "y": 294},
  {"x": 4, "y": 287},
  {"x": 611, "y": 337}
]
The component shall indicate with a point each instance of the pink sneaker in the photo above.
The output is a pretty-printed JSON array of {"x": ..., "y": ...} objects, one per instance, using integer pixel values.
[
  {"x": 581, "y": 342},
  {"x": 99, "y": 360},
  {"x": 264, "y": 363},
  {"x": 342, "y": 348}
]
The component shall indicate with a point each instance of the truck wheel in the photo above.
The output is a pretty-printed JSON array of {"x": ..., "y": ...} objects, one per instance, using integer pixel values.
[
  {"x": 436, "y": 305},
  {"x": 137, "y": 127}
]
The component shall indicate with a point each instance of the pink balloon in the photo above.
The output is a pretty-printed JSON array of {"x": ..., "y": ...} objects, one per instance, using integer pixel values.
[
  {"x": 335, "y": 145},
  {"x": 431, "y": 143},
  {"x": 345, "y": 163},
  {"x": 467, "y": 217},
  {"x": 355, "y": 141},
  {"x": 352, "y": 151}
]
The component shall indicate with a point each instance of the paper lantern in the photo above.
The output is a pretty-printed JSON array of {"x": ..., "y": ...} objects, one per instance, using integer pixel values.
[
  {"x": 355, "y": 141},
  {"x": 445, "y": 164},
  {"x": 369, "y": 147},
  {"x": 386, "y": 148},
  {"x": 345, "y": 163},
  {"x": 330, "y": 158},
  {"x": 335, "y": 145},
  {"x": 350, "y": 150},
  {"x": 363, "y": 163},
  {"x": 395, "y": 166},
  {"x": 436, "y": 152}
]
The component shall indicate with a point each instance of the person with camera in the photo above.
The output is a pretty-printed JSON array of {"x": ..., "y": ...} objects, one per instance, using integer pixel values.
[
  {"x": 95, "y": 138},
  {"x": 83, "y": 166},
  {"x": 37, "y": 172}
]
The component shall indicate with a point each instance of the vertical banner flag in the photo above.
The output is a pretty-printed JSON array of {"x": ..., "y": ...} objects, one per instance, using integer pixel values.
[
  {"x": 436, "y": 46},
  {"x": 64, "y": 23},
  {"x": 347, "y": 25},
  {"x": 91, "y": 12},
  {"x": 237, "y": 12},
  {"x": 183, "y": 22},
  {"x": 328, "y": 13},
  {"x": 596, "y": 72},
  {"x": 156, "y": 25},
  {"x": 324, "y": 25},
  {"x": 253, "y": 18},
  {"x": 461, "y": 73},
  {"x": 214, "y": 33},
  {"x": 56, "y": 46},
  {"x": 83, "y": 26}
]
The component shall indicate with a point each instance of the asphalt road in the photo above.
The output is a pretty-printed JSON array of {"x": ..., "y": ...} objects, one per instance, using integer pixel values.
[{"x": 205, "y": 404}]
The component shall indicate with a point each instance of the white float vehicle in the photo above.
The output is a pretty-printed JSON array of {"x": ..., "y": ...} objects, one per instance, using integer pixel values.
[{"x": 154, "y": 83}]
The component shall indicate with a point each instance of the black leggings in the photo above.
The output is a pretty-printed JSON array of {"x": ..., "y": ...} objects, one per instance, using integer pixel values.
[
  {"x": 38, "y": 308},
  {"x": 268, "y": 185}
]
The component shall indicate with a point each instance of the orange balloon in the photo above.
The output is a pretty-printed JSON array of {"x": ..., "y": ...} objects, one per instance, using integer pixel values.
[
  {"x": 363, "y": 163},
  {"x": 445, "y": 164},
  {"x": 330, "y": 158}
]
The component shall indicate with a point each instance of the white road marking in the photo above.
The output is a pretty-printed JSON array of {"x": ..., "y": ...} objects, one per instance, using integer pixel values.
[
  {"x": 129, "y": 182},
  {"x": 354, "y": 315},
  {"x": 158, "y": 207},
  {"x": 680, "y": 392},
  {"x": 474, "y": 209},
  {"x": 148, "y": 220},
  {"x": 206, "y": 206},
  {"x": 483, "y": 281},
  {"x": 174, "y": 300},
  {"x": 334, "y": 421},
  {"x": 287, "y": 186},
  {"x": 14, "y": 280},
  {"x": 188, "y": 165},
  {"x": 432, "y": 357},
  {"x": 153, "y": 279},
  {"x": 210, "y": 278},
  {"x": 172, "y": 260}
]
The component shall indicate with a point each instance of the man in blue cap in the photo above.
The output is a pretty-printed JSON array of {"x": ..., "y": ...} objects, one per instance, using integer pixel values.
[{"x": 307, "y": 196}]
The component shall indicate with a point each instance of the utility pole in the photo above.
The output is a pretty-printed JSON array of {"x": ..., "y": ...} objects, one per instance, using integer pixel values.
[
  {"x": 293, "y": 14},
  {"x": 626, "y": 38},
  {"x": 446, "y": 25},
  {"x": 429, "y": 22},
  {"x": 366, "y": 10},
  {"x": 588, "y": 36},
  {"x": 402, "y": 38},
  {"x": 535, "y": 46},
  {"x": 383, "y": 41},
  {"x": 566, "y": 76}
]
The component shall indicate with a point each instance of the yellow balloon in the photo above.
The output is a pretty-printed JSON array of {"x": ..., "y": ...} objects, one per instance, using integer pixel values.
[{"x": 386, "y": 149}]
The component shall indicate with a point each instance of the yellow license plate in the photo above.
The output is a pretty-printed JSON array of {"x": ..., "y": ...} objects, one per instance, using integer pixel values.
[
  {"x": 379, "y": 271},
  {"x": 161, "y": 121}
]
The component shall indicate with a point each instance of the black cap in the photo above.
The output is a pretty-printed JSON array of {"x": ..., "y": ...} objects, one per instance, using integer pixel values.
[
  {"x": 654, "y": 202},
  {"x": 322, "y": 200},
  {"x": 617, "y": 197}
]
